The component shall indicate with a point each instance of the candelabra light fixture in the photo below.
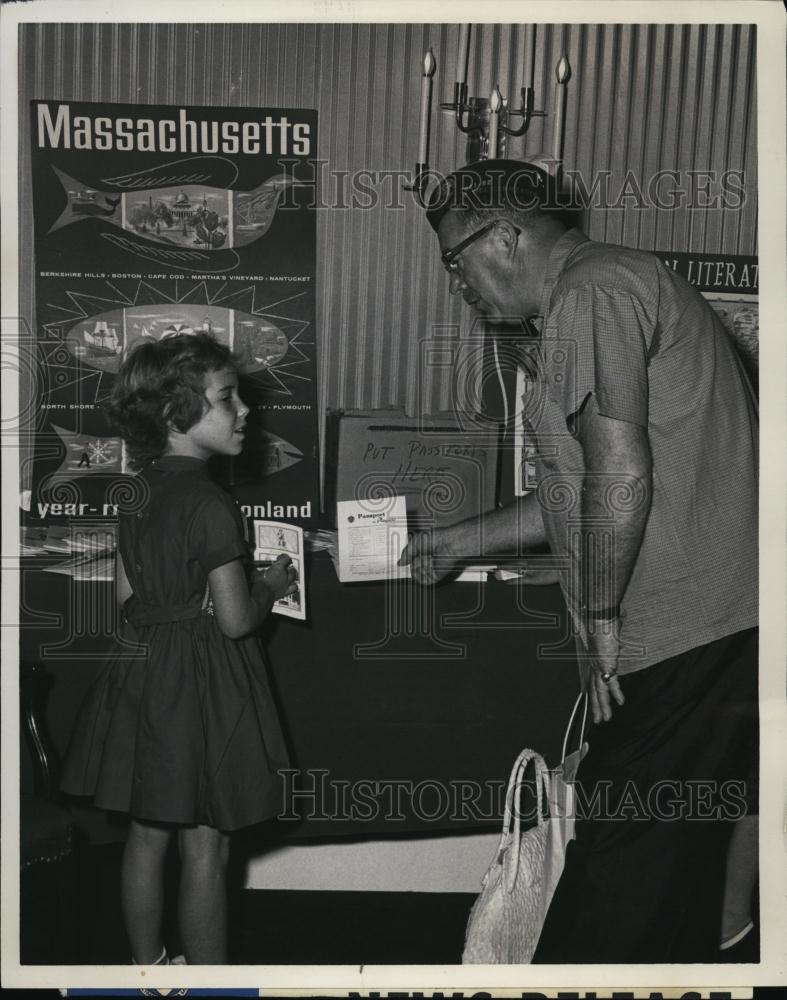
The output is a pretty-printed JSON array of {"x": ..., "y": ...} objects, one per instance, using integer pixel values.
[{"x": 487, "y": 122}]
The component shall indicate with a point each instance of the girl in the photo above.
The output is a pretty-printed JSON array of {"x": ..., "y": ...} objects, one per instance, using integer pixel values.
[{"x": 184, "y": 735}]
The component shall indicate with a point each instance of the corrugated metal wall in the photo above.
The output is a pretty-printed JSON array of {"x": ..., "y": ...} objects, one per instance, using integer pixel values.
[{"x": 642, "y": 98}]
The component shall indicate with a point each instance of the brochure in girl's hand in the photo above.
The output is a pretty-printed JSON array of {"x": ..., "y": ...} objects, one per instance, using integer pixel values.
[{"x": 271, "y": 539}]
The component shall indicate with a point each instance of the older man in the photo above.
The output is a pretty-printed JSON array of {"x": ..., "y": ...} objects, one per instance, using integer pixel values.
[{"x": 646, "y": 434}]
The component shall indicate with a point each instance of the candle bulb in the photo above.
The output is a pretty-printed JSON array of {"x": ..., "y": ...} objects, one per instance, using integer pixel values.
[
  {"x": 463, "y": 54},
  {"x": 495, "y": 104},
  {"x": 563, "y": 74},
  {"x": 530, "y": 59},
  {"x": 426, "y": 106}
]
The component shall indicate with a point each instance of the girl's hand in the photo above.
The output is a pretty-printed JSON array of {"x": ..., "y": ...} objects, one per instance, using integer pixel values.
[{"x": 281, "y": 577}]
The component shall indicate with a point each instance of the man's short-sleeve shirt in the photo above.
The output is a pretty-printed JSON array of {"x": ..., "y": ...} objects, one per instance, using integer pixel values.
[{"x": 619, "y": 325}]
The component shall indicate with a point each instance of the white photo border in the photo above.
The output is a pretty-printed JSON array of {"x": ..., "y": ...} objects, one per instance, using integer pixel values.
[{"x": 770, "y": 19}]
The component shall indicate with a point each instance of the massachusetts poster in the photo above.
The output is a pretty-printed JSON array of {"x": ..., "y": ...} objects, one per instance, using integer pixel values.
[{"x": 152, "y": 221}]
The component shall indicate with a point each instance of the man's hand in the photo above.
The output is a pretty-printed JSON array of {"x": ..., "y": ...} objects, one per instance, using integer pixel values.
[
  {"x": 603, "y": 650},
  {"x": 429, "y": 556}
]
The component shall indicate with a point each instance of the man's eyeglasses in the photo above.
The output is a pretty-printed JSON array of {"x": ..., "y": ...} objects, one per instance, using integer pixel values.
[{"x": 448, "y": 257}]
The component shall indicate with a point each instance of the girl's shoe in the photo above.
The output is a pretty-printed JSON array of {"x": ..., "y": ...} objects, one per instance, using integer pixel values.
[
  {"x": 163, "y": 958},
  {"x": 736, "y": 938},
  {"x": 742, "y": 947}
]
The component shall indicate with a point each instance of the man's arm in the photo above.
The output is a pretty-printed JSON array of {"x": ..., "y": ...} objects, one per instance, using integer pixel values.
[
  {"x": 616, "y": 498},
  {"x": 512, "y": 529}
]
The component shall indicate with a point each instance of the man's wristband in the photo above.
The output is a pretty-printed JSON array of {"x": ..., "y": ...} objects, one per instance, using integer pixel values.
[{"x": 603, "y": 614}]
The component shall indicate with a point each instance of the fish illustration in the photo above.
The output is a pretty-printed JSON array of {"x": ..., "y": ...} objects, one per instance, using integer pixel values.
[
  {"x": 101, "y": 341},
  {"x": 178, "y": 205}
]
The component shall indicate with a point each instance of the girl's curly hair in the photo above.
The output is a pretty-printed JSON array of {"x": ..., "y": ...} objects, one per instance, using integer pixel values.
[{"x": 161, "y": 384}]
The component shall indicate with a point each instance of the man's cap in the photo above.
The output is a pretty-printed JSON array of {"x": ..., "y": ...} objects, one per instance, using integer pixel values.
[{"x": 491, "y": 185}]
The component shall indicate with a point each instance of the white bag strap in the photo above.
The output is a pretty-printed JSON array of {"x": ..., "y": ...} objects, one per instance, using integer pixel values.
[
  {"x": 542, "y": 786},
  {"x": 514, "y": 783},
  {"x": 582, "y": 697},
  {"x": 516, "y": 771}
]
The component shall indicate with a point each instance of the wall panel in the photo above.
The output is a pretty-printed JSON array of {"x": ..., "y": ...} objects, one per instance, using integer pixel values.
[{"x": 641, "y": 98}]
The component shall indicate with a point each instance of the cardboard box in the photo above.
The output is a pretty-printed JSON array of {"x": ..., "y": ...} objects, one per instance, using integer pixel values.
[{"x": 445, "y": 472}]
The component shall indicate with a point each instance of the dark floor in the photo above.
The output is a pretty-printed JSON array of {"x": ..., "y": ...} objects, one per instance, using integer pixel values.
[
  {"x": 73, "y": 916},
  {"x": 266, "y": 928}
]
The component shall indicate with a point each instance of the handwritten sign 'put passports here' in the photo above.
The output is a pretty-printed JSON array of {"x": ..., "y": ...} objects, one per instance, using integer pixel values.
[{"x": 444, "y": 472}]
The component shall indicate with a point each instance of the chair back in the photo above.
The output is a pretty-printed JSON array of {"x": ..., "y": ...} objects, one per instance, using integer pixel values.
[{"x": 34, "y": 684}]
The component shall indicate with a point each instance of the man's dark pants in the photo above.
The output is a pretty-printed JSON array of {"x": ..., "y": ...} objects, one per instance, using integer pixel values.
[{"x": 643, "y": 889}]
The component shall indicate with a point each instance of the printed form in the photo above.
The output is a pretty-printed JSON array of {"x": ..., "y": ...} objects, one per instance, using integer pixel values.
[{"x": 372, "y": 534}]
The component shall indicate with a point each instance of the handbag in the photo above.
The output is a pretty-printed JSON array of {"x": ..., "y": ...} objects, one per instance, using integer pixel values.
[{"x": 506, "y": 920}]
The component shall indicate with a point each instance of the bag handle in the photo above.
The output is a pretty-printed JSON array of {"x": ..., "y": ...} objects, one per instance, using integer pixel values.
[
  {"x": 542, "y": 785},
  {"x": 581, "y": 697},
  {"x": 519, "y": 765}
]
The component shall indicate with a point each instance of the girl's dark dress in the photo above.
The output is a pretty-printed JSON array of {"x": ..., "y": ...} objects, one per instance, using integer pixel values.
[{"x": 187, "y": 733}]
